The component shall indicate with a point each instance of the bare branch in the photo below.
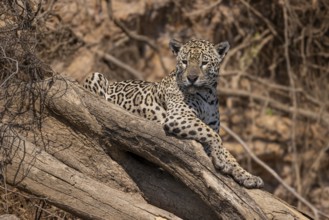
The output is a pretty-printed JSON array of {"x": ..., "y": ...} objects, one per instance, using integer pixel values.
[
  {"x": 276, "y": 104},
  {"x": 258, "y": 14},
  {"x": 109, "y": 57},
  {"x": 294, "y": 104},
  {"x": 271, "y": 171}
]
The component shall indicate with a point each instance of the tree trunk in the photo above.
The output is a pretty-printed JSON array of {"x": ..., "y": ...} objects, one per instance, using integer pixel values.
[{"x": 98, "y": 161}]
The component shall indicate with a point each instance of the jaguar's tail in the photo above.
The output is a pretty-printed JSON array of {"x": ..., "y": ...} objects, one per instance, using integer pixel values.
[{"x": 97, "y": 83}]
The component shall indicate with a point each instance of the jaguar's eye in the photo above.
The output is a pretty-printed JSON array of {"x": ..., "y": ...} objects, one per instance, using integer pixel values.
[
  {"x": 204, "y": 63},
  {"x": 184, "y": 62}
]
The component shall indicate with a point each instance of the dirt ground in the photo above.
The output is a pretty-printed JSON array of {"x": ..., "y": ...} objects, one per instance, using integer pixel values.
[{"x": 273, "y": 88}]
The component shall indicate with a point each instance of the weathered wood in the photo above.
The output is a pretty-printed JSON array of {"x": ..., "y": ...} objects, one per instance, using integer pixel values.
[
  {"x": 119, "y": 131},
  {"x": 43, "y": 175},
  {"x": 183, "y": 159},
  {"x": 80, "y": 148}
]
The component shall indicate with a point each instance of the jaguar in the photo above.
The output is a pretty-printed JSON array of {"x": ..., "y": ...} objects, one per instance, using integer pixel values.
[{"x": 185, "y": 102}]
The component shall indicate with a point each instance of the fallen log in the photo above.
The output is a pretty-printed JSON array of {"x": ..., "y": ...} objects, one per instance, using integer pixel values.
[
  {"x": 36, "y": 171},
  {"x": 123, "y": 136}
]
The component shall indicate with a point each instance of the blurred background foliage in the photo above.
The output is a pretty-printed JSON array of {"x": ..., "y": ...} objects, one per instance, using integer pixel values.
[{"x": 274, "y": 85}]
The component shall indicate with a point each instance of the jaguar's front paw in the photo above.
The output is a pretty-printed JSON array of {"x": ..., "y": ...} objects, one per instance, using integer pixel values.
[
  {"x": 241, "y": 176},
  {"x": 253, "y": 182},
  {"x": 246, "y": 179}
]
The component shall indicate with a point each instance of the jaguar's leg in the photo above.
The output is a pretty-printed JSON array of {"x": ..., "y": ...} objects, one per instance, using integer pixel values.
[{"x": 188, "y": 126}]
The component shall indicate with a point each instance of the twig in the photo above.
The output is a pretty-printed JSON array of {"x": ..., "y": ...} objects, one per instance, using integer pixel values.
[
  {"x": 275, "y": 104},
  {"x": 271, "y": 85},
  {"x": 11, "y": 75},
  {"x": 47, "y": 11},
  {"x": 134, "y": 35},
  {"x": 5, "y": 186},
  {"x": 294, "y": 102},
  {"x": 41, "y": 209},
  {"x": 25, "y": 196},
  {"x": 141, "y": 38},
  {"x": 314, "y": 168},
  {"x": 205, "y": 10},
  {"x": 258, "y": 14},
  {"x": 271, "y": 171},
  {"x": 108, "y": 57},
  {"x": 314, "y": 100},
  {"x": 248, "y": 40}
]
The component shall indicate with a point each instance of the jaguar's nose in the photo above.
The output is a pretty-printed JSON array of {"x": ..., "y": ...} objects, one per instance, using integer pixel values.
[{"x": 192, "y": 78}]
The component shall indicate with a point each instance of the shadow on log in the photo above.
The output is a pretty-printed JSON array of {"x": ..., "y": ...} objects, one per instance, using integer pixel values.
[{"x": 105, "y": 163}]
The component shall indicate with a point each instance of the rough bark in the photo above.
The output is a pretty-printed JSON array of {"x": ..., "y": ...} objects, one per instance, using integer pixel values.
[
  {"x": 99, "y": 128},
  {"x": 42, "y": 174}
]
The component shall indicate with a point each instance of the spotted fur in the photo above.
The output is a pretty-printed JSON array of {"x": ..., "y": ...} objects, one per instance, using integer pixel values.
[{"x": 185, "y": 101}]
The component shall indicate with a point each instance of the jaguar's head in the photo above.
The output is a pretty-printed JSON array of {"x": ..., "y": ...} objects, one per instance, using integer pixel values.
[{"x": 198, "y": 63}]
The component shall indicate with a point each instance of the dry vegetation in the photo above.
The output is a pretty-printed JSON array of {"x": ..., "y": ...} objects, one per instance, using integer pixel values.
[{"x": 274, "y": 85}]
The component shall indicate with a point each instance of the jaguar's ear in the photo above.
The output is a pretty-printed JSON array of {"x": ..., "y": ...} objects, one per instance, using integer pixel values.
[
  {"x": 222, "y": 48},
  {"x": 175, "y": 46}
]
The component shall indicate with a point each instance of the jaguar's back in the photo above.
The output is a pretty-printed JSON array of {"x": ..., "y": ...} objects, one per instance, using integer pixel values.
[{"x": 136, "y": 96}]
